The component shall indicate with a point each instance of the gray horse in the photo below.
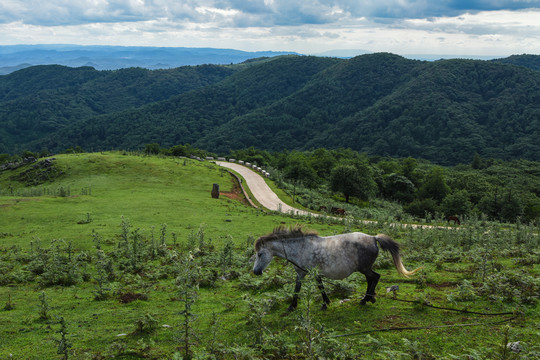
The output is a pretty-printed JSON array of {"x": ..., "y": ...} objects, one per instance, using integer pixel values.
[{"x": 335, "y": 257}]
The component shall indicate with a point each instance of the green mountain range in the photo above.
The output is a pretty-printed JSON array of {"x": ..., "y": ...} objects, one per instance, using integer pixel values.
[{"x": 444, "y": 111}]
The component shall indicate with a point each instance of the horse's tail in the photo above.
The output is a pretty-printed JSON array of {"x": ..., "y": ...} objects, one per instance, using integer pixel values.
[{"x": 392, "y": 247}]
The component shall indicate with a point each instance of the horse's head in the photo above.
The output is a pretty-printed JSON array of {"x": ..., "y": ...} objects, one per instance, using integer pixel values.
[{"x": 263, "y": 256}]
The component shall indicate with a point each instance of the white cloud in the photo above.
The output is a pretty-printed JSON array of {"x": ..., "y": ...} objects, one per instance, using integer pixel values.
[{"x": 400, "y": 26}]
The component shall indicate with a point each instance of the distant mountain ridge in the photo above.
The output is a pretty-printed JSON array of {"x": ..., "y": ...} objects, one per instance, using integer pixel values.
[
  {"x": 101, "y": 57},
  {"x": 383, "y": 104},
  {"x": 14, "y": 57}
]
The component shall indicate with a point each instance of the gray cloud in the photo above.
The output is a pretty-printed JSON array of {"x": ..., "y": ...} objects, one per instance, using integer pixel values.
[{"x": 240, "y": 12}]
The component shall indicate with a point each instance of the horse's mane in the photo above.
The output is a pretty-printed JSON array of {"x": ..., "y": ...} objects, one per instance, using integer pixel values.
[{"x": 283, "y": 232}]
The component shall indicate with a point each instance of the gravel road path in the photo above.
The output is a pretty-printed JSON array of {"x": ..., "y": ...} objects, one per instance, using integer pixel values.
[{"x": 260, "y": 190}]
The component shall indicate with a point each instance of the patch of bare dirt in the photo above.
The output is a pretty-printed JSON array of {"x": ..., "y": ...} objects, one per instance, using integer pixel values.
[
  {"x": 129, "y": 297},
  {"x": 442, "y": 285},
  {"x": 235, "y": 194}
]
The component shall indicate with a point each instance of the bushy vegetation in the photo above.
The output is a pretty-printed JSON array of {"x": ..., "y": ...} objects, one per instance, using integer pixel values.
[
  {"x": 138, "y": 286},
  {"x": 372, "y": 187}
]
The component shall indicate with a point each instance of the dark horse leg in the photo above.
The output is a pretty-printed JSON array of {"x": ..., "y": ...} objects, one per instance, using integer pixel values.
[
  {"x": 299, "y": 277},
  {"x": 326, "y": 300},
  {"x": 372, "y": 279}
]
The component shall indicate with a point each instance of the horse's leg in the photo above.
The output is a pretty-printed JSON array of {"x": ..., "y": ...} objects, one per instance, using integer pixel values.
[
  {"x": 326, "y": 300},
  {"x": 294, "y": 303},
  {"x": 372, "y": 279}
]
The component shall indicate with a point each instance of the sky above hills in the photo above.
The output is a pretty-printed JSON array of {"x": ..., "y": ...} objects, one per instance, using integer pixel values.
[{"x": 448, "y": 27}]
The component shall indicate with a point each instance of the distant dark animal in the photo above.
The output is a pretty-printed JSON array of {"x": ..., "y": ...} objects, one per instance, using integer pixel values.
[
  {"x": 455, "y": 219},
  {"x": 323, "y": 208},
  {"x": 336, "y": 257},
  {"x": 337, "y": 211}
]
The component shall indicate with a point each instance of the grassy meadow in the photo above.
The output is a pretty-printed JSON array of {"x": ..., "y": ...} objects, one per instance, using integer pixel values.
[{"x": 139, "y": 262}]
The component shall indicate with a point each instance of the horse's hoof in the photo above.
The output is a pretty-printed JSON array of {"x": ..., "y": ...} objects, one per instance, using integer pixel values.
[
  {"x": 291, "y": 308},
  {"x": 324, "y": 307},
  {"x": 370, "y": 298}
]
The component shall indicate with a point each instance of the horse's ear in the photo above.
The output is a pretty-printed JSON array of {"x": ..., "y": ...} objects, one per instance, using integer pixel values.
[{"x": 258, "y": 244}]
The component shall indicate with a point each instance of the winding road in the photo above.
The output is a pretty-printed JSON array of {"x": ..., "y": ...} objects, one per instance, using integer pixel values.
[
  {"x": 260, "y": 190},
  {"x": 268, "y": 199}
]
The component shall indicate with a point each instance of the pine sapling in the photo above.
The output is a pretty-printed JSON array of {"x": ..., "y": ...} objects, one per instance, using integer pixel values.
[
  {"x": 9, "y": 304},
  {"x": 101, "y": 276},
  {"x": 187, "y": 283},
  {"x": 63, "y": 344},
  {"x": 43, "y": 306},
  {"x": 162, "y": 250}
]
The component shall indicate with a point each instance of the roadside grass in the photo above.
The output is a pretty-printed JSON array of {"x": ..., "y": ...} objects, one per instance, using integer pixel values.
[
  {"x": 284, "y": 196},
  {"x": 238, "y": 315}
]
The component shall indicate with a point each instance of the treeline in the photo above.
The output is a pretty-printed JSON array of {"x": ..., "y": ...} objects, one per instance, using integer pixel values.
[{"x": 381, "y": 104}]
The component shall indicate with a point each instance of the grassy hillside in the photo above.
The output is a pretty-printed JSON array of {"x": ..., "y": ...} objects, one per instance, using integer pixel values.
[
  {"x": 128, "y": 288},
  {"x": 149, "y": 191}
]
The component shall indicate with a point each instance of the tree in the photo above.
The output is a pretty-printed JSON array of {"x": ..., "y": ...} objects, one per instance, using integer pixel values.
[
  {"x": 322, "y": 161},
  {"x": 408, "y": 167},
  {"x": 505, "y": 205},
  {"x": 478, "y": 162},
  {"x": 512, "y": 206},
  {"x": 398, "y": 187},
  {"x": 151, "y": 149},
  {"x": 352, "y": 181},
  {"x": 457, "y": 203},
  {"x": 435, "y": 187},
  {"x": 422, "y": 207},
  {"x": 180, "y": 150},
  {"x": 299, "y": 171}
]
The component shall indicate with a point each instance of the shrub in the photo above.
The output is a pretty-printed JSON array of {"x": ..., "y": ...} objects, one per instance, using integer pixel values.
[{"x": 147, "y": 324}]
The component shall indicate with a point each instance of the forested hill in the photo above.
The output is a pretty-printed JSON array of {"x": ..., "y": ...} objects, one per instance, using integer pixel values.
[
  {"x": 444, "y": 111},
  {"x": 38, "y": 101},
  {"x": 530, "y": 61}
]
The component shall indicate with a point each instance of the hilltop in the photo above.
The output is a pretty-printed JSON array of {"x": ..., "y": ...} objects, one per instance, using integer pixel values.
[
  {"x": 383, "y": 104},
  {"x": 78, "y": 193}
]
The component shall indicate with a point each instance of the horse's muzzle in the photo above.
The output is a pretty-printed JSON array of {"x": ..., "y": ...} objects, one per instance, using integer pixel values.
[{"x": 257, "y": 272}]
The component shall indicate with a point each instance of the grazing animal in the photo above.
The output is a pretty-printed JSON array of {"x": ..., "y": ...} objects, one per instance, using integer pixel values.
[
  {"x": 336, "y": 257},
  {"x": 337, "y": 211},
  {"x": 455, "y": 219},
  {"x": 323, "y": 208}
]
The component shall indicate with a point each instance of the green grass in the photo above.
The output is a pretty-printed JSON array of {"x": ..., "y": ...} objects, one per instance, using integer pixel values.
[{"x": 151, "y": 191}]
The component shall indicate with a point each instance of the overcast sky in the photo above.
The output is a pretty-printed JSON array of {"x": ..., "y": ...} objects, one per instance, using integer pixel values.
[{"x": 447, "y": 27}]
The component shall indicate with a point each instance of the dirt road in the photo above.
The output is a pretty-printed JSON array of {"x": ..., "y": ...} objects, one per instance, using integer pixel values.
[
  {"x": 260, "y": 190},
  {"x": 267, "y": 198}
]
